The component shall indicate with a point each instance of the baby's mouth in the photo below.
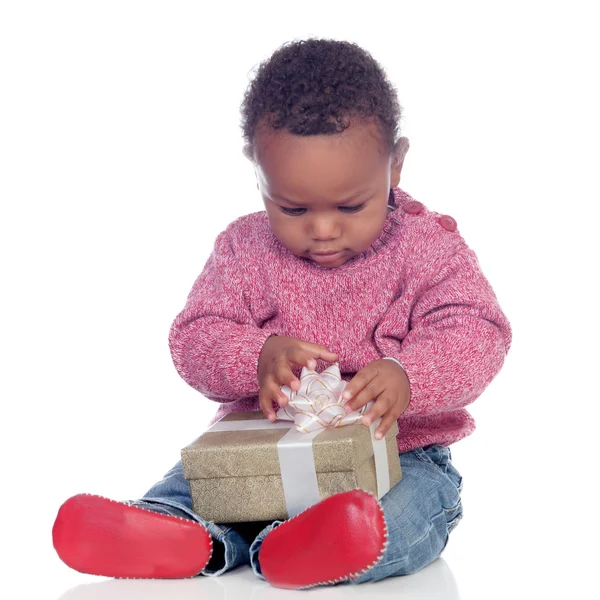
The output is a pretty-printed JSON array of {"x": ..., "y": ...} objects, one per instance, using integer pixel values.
[{"x": 326, "y": 258}]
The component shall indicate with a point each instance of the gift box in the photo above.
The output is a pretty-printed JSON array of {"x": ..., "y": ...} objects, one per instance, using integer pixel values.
[{"x": 245, "y": 468}]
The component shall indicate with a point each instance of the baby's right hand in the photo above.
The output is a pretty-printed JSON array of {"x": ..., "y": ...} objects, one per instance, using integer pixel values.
[{"x": 275, "y": 362}]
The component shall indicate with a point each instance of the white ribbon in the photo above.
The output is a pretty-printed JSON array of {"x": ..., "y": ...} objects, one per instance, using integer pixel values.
[
  {"x": 382, "y": 470},
  {"x": 311, "y": 411},
  {"x": 298, "y": 473},
  {"x": 318, "y": 405},
  {"x": 296, "y": 461}
]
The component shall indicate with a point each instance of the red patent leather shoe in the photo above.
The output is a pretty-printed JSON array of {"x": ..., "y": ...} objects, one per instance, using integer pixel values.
[
  {"x": 98, "y": 536},
  {"x": 335, "y": 540}
]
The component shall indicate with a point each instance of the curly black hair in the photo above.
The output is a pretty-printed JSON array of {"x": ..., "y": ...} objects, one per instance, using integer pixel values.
[{"x": 316, "y": 86}]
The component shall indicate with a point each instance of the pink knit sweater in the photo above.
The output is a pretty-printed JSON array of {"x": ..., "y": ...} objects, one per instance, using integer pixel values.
[{"x": 417, "y": 295}]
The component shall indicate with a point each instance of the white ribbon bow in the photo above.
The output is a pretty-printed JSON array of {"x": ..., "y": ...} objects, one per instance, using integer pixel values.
[{"x": 318, "y": 404}]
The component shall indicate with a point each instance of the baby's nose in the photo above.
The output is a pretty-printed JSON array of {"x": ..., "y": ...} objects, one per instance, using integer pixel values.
[{"x": 325, "y": 229}]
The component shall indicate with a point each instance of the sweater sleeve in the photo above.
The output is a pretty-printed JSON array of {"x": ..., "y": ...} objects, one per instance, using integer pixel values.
[
  {"x": 456, "y": 339},
  {"x": 215, "y": 342}
]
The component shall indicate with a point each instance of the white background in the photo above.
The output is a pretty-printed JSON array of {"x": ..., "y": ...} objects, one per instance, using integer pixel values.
[{"x": 120, "y": 161}]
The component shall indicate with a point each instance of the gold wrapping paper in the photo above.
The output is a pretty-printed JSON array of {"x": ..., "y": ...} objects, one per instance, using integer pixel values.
[{"x": 235, "y": 476}]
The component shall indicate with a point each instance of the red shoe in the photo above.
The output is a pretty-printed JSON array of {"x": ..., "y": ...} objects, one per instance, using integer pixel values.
[
  {"x": 98, "y": 536},
  {"x": 337, "y": 539}
]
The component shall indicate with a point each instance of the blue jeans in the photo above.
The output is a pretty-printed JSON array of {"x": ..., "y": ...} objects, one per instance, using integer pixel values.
[{"x": 420, "y": 512}]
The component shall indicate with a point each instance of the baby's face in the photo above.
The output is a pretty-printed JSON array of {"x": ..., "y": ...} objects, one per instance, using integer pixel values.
[{"x": 326, "y": 195}]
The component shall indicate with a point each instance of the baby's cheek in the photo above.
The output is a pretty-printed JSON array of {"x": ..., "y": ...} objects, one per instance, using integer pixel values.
[
  {"x": 292, "y": 240},
  {"x": 362, "y": 241}
]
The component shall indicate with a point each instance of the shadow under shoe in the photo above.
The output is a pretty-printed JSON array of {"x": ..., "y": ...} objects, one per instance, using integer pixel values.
[{"x": 99, "y": 536}]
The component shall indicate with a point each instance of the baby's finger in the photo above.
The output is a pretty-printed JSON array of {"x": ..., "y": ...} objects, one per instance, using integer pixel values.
[
  {"x": 380, "y": 407},
  {"x": 320, "y": 351},
  {"x": 281, "y": 398},
  {"x": 357, "y": 383},
  {"x": 267, "y": 408},
  {"x": 361, "y": 389},
  {"x": 386, "y": 422},
  {"x": 265, "y": 399},
  {"x": 284, "y": 376},
  {"x": 276, "y": 393},
  {"x": 302, "y": 357},
  {"x": 368, "y": 393}
]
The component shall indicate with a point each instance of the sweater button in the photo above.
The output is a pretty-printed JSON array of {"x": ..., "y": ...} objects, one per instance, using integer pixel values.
[
  {"x": 413, "y": 207},
  {"x": 447, "y": 222}
]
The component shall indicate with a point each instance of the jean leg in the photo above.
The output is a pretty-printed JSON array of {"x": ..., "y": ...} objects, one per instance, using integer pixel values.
[
  {"x": 420, "y": 512},
  {"x": 255, "y": 547},
  {"x": 171, "y": 495}
]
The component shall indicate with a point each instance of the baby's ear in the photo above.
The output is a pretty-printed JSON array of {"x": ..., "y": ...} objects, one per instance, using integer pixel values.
[
  {"x": 401, "y": 148},
  {"x": 247, "y": 152}
]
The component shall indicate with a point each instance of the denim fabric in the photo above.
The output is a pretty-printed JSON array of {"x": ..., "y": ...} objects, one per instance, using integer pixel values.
[{"x": 420, "y": 513}]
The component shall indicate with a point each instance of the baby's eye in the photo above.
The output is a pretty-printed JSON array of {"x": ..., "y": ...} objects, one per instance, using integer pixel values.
[
  {"x": 300, "y": 211},
  {"x": 292, "y": 211},
  {"x": 352, "y": 209}
]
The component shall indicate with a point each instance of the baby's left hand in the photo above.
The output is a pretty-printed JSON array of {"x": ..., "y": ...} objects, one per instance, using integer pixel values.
[{"x": 385, "y": 382}]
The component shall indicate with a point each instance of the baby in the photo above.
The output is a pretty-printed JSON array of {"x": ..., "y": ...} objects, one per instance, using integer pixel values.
[{"x": 342, "y": 266}]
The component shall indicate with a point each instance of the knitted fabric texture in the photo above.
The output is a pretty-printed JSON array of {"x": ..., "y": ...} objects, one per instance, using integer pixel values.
[{"x": 417, "y": 295}]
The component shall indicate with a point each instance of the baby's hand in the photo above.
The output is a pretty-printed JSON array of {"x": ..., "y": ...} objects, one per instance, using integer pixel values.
[
  {"x": 275, "y": 362},
  {"x": 387, "y": 383}
]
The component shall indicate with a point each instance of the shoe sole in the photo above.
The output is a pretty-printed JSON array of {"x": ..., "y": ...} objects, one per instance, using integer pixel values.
[
  {"x": 99, "y": 536},
  {"x": 336, "y": 540}
]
